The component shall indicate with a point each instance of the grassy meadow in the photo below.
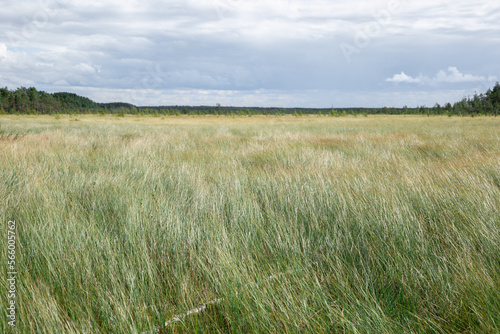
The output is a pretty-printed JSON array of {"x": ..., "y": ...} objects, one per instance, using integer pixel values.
[{"x": 379, "y": 224}]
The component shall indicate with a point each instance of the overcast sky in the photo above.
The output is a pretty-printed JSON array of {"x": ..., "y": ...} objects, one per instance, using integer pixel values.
[{"x": 311, "y": 53}]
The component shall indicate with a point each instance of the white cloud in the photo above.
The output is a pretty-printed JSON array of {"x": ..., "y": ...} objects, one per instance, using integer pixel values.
[
  {"x": 452, "y": 75},
  {"x": 403, "y": 77},
  {"x": 86, "y": 68},
  {"x": 61, "y": 84},
  {"x": 3, "y": 51}
]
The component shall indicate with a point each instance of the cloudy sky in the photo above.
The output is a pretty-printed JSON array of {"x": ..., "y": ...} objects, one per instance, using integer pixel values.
[{"x": 311, "y": 53}]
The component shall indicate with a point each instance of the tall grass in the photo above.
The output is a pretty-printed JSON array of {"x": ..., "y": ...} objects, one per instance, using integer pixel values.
[{"x": 299, "y": 224}]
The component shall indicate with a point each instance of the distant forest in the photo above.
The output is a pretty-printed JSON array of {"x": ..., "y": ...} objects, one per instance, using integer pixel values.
[{"x": 30, "y": 101}]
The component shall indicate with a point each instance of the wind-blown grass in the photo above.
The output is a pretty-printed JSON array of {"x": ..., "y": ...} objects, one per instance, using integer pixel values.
[{"x": 365, "y": 225}]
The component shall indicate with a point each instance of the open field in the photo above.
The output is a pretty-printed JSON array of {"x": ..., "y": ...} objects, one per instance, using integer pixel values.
[{"x": 294, "y": 224}]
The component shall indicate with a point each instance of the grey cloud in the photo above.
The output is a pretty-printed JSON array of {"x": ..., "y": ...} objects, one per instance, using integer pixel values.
[{"x": 248, "y": 49}]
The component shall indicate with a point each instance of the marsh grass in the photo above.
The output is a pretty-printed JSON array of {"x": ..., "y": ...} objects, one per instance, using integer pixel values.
[{"x": 366, "y": 225}]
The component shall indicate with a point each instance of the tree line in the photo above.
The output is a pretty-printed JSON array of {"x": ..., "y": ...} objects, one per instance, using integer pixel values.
[{"x": 33, "y": 102}]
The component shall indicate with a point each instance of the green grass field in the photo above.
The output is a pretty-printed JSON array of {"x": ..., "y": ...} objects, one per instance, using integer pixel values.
[{"x": 372, "y": 224}]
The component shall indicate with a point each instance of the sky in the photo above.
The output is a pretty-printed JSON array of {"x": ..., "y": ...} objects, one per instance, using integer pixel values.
[{"x": 272, "y": 53}]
